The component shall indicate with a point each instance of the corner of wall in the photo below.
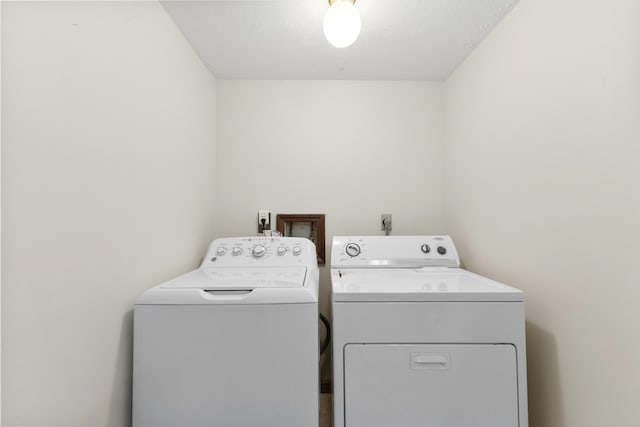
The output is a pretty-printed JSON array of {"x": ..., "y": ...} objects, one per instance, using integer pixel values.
[{"x": 1, "y": 121}]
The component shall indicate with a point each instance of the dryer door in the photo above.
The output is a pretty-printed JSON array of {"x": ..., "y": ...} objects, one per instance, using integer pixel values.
[{"x": 457, "y": 385}]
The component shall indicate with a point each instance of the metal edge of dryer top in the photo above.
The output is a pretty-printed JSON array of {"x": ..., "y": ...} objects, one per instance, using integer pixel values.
[
  {"x": 245, "y": 270},
  {"x": 421, "y": 268}
]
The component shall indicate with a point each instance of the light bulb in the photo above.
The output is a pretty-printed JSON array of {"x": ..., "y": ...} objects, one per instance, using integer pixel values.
[{"x": 342, "y": 23}]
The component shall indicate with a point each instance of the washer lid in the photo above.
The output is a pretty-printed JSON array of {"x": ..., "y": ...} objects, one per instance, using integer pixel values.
[
  {"x": 240, "y": 278},
  {"x": 425, "y": 284}
]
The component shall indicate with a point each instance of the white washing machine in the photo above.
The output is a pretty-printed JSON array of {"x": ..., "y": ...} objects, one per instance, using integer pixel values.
[
  {"x": 233, "y": 343},
  {"x": 418, "y": 341}
]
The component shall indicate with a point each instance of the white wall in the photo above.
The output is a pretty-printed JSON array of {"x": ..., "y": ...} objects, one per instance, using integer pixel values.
[
  {"x": 1, "y": 133},
  {"x": 108, "y": 188},
  {"x": 351, "y": 150},
  {"x": 543, "y": 131}
]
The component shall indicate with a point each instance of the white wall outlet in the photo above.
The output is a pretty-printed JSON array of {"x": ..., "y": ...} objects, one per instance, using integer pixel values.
[
  {"x": 385, "y": 222},
  {"x": 264, "y": 221}
]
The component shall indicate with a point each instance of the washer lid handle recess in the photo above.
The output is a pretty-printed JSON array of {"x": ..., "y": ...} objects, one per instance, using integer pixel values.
[{"x": 239, "y": 279}]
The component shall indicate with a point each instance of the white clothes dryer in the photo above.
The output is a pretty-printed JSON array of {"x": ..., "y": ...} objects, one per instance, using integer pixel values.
[
  {"x": 419, "y": 341},
  {"x": 233, "y": 343}
]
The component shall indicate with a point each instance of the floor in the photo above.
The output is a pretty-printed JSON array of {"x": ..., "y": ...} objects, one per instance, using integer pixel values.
[{"x": 326, "y": 412}]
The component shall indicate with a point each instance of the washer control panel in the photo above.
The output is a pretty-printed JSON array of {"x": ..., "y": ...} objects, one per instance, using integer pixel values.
[
  {"x": 266, "y": 251},
  {"x": 394, "y": 251}
]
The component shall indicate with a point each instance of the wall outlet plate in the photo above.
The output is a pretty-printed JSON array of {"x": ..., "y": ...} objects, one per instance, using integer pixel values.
[
  {"x": 385, "y": 222},
  {"x": 264, "y": 221}
]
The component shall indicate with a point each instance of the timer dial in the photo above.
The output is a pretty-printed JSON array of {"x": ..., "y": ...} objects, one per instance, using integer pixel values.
[
  {"x": 352, "y": 249},
  {"x": 258, "y": 251}
]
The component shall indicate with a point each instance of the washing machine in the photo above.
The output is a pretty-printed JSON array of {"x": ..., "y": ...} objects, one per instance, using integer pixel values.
[
  {"x": 233, "y": 343},
  {"x": 419, "y": 341}
]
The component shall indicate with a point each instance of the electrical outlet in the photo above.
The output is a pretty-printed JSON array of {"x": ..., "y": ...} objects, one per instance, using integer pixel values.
[
  {"x": 385, "y": 222},
  {"x": 264, "y": 221}
]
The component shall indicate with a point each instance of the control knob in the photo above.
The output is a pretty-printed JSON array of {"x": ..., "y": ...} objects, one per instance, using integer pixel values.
[
  {"x": 297, "y": 250},
  {"x": 258, "y": 251},
  {"x": 221, "y": 250},
  {"x": 425, "y": 248},
  {"x": 282, "y": 250},
  {"x": 236, "y": 251},
  {"x": 352, "y": 249},
  {"x": 442, "y": 250}
]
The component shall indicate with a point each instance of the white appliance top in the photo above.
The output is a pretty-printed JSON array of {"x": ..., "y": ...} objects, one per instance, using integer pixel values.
[
  {"x": 402, "y": 269},
  {"x": 245, "y": 270},
  {"x": 426, "y": 284},
  {"x": 240, "y": 278}
]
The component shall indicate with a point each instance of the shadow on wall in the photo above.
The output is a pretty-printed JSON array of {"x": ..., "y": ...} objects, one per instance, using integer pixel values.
[
  {"x": 543, "y": 379},
  {"x": 120, "y": 408}
]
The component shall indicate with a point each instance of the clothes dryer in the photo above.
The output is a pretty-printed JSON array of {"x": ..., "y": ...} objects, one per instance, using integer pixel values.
[
  {"x": 419, "y": 341},
  {"x": 233, "y": 343}
]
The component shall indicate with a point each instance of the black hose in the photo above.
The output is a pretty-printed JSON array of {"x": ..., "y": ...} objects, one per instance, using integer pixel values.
[{"x": 327, "y": 338}]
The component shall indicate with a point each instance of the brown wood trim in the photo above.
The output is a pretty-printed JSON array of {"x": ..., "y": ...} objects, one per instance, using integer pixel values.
[
  {"x": 326, "y": 386},
  {"x": 317, "y": 219}
]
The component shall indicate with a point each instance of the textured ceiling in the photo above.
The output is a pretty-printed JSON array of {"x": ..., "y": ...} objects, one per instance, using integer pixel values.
[{"x": 271, "y": 39}]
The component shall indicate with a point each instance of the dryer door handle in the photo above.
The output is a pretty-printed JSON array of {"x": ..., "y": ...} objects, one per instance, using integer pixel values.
[{"x": 436, "y": 361}]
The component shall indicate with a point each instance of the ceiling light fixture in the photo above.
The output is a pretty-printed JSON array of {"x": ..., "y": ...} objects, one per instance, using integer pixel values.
[{"x": 342, "y": 23}]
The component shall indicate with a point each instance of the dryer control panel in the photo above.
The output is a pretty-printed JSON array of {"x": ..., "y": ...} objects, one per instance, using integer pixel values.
[
  {"x": 260, "y": 251},
  {"x": 393, "y": 251}
]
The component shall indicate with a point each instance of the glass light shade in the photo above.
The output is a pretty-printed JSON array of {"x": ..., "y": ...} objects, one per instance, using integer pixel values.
[{"x": 342, "y": 23}]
